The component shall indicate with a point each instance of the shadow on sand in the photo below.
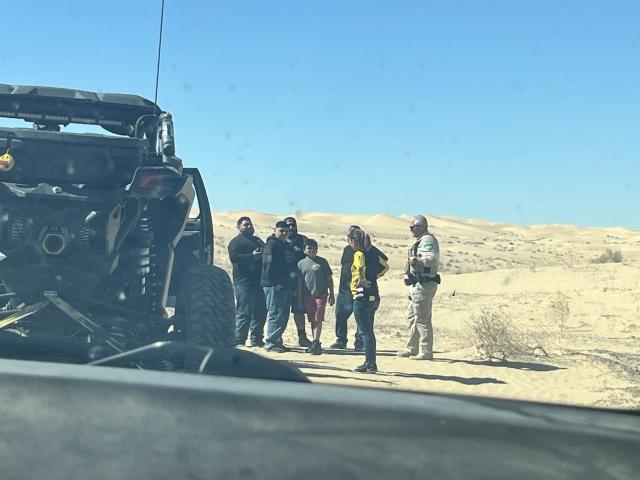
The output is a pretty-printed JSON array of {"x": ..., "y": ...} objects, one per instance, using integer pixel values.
[
  {"x": 536, "y": 367},
  {"x": 317, "y": 367},
  {"x": 336, "y": 351},
  {"x": 352, "y": 353},
  {"x": 317, "y": 370},
  {"x": 446, "y": 378}
]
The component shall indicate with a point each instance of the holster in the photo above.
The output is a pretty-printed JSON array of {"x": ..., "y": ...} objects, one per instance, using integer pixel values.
[{"x": 425, "y": 279}]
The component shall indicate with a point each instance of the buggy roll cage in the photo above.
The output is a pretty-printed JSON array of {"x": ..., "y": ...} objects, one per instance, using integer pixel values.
[{"x": 115, "y": 112}]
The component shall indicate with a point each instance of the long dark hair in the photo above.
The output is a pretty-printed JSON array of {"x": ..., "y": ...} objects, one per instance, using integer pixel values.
[{"x": 358, "y": 237}]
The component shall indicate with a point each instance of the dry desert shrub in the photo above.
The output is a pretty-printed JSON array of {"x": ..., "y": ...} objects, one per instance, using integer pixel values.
[
  {"x": 495, "y": 337},
  {"x": 559, "y": 310},
  {"x": 610, "y": 256}
]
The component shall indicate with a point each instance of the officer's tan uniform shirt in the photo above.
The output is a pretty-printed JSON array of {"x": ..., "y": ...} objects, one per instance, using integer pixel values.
[{"x": 427, "y": 250}]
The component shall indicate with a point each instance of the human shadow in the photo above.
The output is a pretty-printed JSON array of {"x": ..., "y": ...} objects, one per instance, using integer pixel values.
[
  {"x": 317, "y": 366},
  {"x": 447, "y": 378},
  {"x": 337, "y": 351},
  {"x": 530, "y": 366},
  {"x": 451, "y": 378},
  {"x": 316, "y": 369},
  {"x": 365, "y": 377}
]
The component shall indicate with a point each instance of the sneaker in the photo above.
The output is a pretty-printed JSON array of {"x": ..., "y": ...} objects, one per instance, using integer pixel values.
[
  {"x": 405, "y": 354},
  {"x": 366, "y": 368},
  {"x": 303, "y": 341},
  {"x": 315, "y": 348},
  {"x": 278, "y": 349},
  {"x": 338, "y": 344},
  {"x": 423, "y": 356},
  {"x": 257, "y": 343},
  {"x": 358, "y": 347}
]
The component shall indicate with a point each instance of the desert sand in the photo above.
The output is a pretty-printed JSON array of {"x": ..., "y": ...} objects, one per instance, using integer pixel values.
[{"x": 584, "y": 315}]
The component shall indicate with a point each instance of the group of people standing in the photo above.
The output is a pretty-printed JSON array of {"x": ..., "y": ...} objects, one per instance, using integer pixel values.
[{"x": 285, "y": 275}]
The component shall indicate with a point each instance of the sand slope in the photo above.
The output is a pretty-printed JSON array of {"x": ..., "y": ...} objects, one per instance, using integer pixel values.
[{"x": 593, "y": 347}]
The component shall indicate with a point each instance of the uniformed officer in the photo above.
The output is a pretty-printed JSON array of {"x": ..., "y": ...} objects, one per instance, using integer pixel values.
[{"x": 421, "y": 276}]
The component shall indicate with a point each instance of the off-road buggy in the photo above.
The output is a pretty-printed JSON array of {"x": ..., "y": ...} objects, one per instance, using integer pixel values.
[{"x": 98, "y": 234}]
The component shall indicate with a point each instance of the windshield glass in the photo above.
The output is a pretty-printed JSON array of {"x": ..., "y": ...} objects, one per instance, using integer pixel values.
[{"x": 424, "y": 196}]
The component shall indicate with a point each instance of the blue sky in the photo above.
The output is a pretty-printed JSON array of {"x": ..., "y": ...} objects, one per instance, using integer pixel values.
[{"x": 525, "y": 112}]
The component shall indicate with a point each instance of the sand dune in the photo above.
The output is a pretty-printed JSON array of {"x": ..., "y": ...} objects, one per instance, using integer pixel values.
[{"x": 526, "y": 272}]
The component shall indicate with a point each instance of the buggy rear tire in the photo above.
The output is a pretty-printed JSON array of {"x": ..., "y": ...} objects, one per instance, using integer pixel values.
[{"x": 205, "y": 307}]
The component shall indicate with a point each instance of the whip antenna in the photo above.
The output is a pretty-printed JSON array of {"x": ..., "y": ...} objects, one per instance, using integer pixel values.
[
  {"x": 155, "y": 98},
  {"x": 167, "y": 138}
]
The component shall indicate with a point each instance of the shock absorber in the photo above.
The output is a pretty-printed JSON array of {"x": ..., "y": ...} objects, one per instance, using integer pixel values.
[
  {"x": 145, "y": 271},
  {"x": 16, "y": 229}
]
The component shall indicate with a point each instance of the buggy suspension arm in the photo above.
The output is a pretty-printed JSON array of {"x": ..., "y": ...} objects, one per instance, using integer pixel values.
[
  {"x": 22, "y": 313},
  {"x": 83, "y": 320}
]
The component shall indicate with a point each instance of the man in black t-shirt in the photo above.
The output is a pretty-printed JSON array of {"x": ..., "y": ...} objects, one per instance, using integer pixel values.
[{"x": 245, "y": 253}]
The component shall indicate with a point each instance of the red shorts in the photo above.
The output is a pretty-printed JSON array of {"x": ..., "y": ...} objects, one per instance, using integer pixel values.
[{"x": 314, "y": 306}]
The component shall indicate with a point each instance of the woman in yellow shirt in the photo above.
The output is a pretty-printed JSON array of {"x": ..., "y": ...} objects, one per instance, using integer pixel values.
[{"x": 364, "y": 289}]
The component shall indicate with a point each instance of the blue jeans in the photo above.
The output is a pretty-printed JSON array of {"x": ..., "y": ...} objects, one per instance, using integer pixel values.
[
  {"x": 344, "y": 309},
  {"x": 364, "y": 312},
  {"x": 251, "y": 313},
  {"x": 278, "y": 306}
]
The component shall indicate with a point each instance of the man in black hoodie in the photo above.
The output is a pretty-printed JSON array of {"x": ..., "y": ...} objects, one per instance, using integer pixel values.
[
  {"x": 245, "y": 253},
  {"x": 296, "y": 240},
  {"x": 279, "y": 280}
]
